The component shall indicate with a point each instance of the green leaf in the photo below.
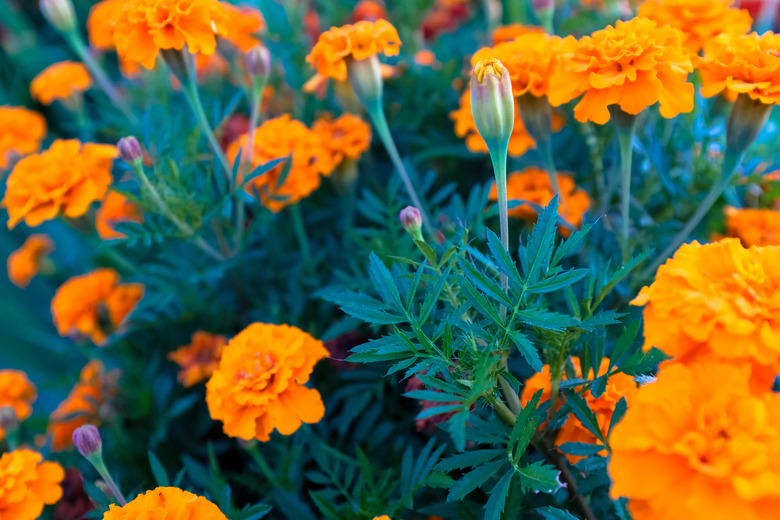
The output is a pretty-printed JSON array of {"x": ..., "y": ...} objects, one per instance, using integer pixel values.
[
  {"x": 581, "y": 449},
  {"x": 468, "y": 459},
  {"x": 617, "y": 414},
  {"x": 558, "y": 281},
  {"x": 433, "y": 296},
  {"x": 624, "y": 343},
  {"x": 474, "y": 479},
  {"x": 436, "y": 410},
  {"x": 540, "y": 246},
  {"x": 495, "y": 504},
  {"x": 457, "y": 428},
  {"x": 503, "y": 260},
  {"x": 483, "y": 283},
  {"x": 545, "y": 319},
  {"x": 527, "y": 349},
  {"x": 160, "y": 475},
  {"x": 479, "y": 303},
  {"x": 642, "y": 362},
  {"x": 585, "y": 415},
  {"x": 384, "y": 283},
  {"x": 571, "y": 244},
  {"x": 525, "y": 426},
  {"x": 413, "y": 287},
  {"x": 553, "y": 513},
  {"x": 619, "y": 274},
  {"x": 539, "y": 477}
]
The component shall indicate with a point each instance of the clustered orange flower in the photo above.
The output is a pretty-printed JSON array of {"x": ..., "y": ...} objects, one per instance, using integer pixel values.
[
  {"x": 200, "y": 358},
  {"x": 66, "y": 178},
  {"x": 754, "y": 227},
  {"x": 89, "y": 304},
  {"x": 280, "y": 137},
  {"x": 85, "y": 404},
  {"x": 114, "y": 210},
  {"x": 633, "y": 65},
  {"x": 16, "y": 393},
  {"x": 519, "y": 142},
  {"x": 21, "y": 132},
  {"x": 25, "y": 262},
  {"x": 170, "y": 503},
  {"x": 352, "y": 41},
  {"x": 60, "y": 81},
  {"x": 243, "y": 24},
  {"x": 347, "y": 137},
  {"x": 742, "y": 64},
  {"x": 259, "y": 384},
  {"x": 699, "y": 20},
  {"x": 618, "y": 386},
  {"x": 27, "y": 484}
]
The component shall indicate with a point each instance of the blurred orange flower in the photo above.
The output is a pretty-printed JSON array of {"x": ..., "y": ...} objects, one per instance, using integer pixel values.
[
  {"x": 369, "y": 10},
  {"x": 60, "y": 81},
  {"x": 101, "y": 25},
  {"x": 114, "y": 210},
  {"x": 25, "y": 262},
  {"x": 699, "y": 20},
  {"x": 699, "y": 443},
  {"x": 742, "y": 64},
  {"x": 352, "y": 41},
  {"x": 634, "y": 64},
  {"x": 21, "y": 132},
  {"x": 426, "y": 58},
  {"x": 200, "y": 358},
  {"x": 93, "y": 302},
  {"x": 347, "y": 137},
  {"x": 66, "y": 178},
  {"x": 27, "y": 483},
  {"x": 259, "y": 384},
  {"x": 281, "y": 137},
  {"x": 17, "y": 393},
  {"x": 754, "y": 227},
  {"x": 506, "y": 33},
  {"x": 243, "y": 25},
  {"x": 169, "y": 503}
]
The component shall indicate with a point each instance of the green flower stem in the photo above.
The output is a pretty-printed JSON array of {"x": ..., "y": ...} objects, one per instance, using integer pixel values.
[
  {"x": 300, "y": 233},
  {"x": 546, "y": 151},
  {"x": 96, "y": 459},
  {"x": 190, "y": 89},
  {"x": 498, "y": 157},
  {"x": 256, "y": 98},
  {"x": 625, "y": 135}
]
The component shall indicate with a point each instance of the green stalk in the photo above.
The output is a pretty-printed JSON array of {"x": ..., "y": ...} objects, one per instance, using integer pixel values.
[
  {"x": 546, "y": 151},
  {"x": 96, "y": 459},
  {"x": 256, "y": 98},
  {"x": 190, "y": 89},
  {"x": 301, "y": 234},
  {"x": 625, "y": 124},
  {"x": 498, "y": 158}
]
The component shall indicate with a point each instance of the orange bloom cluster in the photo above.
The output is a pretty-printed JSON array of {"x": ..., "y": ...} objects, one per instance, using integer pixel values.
[
  {"x": 699, "y": 20},
  {"x": 84, "y": 405},
  {"x": 259, "y": 385},
  {"x": 169, "y": 503},
  {"x": 88, "y": 304},
  {"x": 618, "y": 386},
  {"x": 27, "y": 484},
  {"x": 243, "y": 24},
  {"x": 633, "y": 65},
  {"x": 16, "y": 393},
  {"x": 60, "y": 81},
  {"x": 66, "y": 178},
  {"x": 699, "y": 443},
  {"x": 754, "y": 227},
  {"x": 21, "y": 132},
  {"x": 742, "y": 64},
  {"x": 114, "y": 210},
  {"x": 352, "y": 41},
  {"x": 519, "y": 142},
  {"x": 25, "y": 262},
  {"x": 200, "y": 358},
  {"x": 280, "y": 137},
  {"x": 533, "y": 185},
  {"x": 347, "y": 137}
]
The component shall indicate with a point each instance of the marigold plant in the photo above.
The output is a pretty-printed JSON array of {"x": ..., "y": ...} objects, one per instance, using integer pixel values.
[
  {"x": 16, "y": 393},
  {"x": 169, "y": 502},
  {"x": 21, "y": 132},
  {"x": 347, "y": 137},
  {"x": 60, "y": 81},
  {"x": 25, "y": 263},
  {"x": 27, "y": 484},
  {"x": 200, "y": 358}
]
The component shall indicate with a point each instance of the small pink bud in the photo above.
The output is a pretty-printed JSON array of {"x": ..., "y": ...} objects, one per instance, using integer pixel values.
[
  {"x": 60, "y": 14},
  {"x": 87, "y": 440},
  {"x": 411, "y": 220},
  {"x": 130, "y": 149},
  {"x": 258, "y": 62}
]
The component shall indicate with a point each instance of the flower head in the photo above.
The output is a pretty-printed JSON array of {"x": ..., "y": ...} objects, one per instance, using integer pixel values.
[
  {"x": 507, "y": 33},
  {"x": 66, "y": 179},
  {"x": 492, "y": 102},
  {"x": 60, "y": 81},
  {"x": 25, "y": 262},
  {"x": 347, "y": 137},
  {"x": 200, "y": 358},
  {"x": 87, "y": 440},
  {"x": 356, "y": 41},
  {"x": 699, "y": 442},
  {"x": 94, "y": 302},
  {"x": 114, "y": 210},
  {"x": 243, "y": 25},
  {"x": 169, "y": 503},
  {"x": 27, "y": 483},
  {"x": 754, "y": 227},
  {"x": 634, "y": 64},
  {"x": 259, "y": 385},
  {"x": 411, "y": 220},
  {"x": 17, "y": 393},
  {"x": 699, "y": 20},
  {"x": 21, "y": 132},
  {"x": 59, "y": 13}
]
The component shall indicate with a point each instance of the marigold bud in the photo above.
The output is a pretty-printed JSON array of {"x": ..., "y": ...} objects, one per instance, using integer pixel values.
[
  {"x": 60, "y": 14},
  {"x": 130, "y": 149},
  {"x": 258, "y": 62},
  {"x": 492, "y": 102},
  {"x": 8, "y": 419},
  {"x": 745, "y": 122},
  {"x": 87, "y": 440},
  {"x": 365, "y": 76},
  {"x": 411, "y": 220}
]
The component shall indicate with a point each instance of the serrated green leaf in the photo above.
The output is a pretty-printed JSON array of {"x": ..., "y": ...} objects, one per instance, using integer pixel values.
[
  {"x": 539, "y": 477},
  {"x": 525, "y": 426},
  {"x": 527, "y": 350},
  {"x": 385, "y": 283},
  {"x": 429, "y": 303},
  {"x": 553, "y": 513},
  {"x": 580, "y": 449},
  {"x": 540, "y": 246},
  {"x": 483, "y": 283},
  {"x": 495, "y": 504},
  {"x": 642, "y": 362},
  {"x": 558, "y": 281},
  {"x": 474, "y": 479},
  {"x": 617, "y": 414},
  {"x": 158, "y": 470},
  {"x": 585, "y": 415},
  {"x": 468, "y": 459}
]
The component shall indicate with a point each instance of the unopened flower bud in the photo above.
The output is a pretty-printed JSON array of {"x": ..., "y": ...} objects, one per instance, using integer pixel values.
[
  {"x": 746, "y": 120},
  {"x": 87, "y": 440},
  {"x": 8, "y": 419},
  {"x": 365, "y": 76},
  {"x": 130, "y": 150},
  {"x": 258, "y": 62},
  {"x": 178, "y": 60},
  {"x": 492, "y": 102},
  {"x": 411, "y": 220},
  {"x": 60, "y": 14}
]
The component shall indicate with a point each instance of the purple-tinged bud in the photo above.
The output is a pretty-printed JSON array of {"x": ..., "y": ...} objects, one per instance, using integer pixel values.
[
  {"x": 258, "y": 62},
  {"x": 8, "y": 420},
  {"x": 492, "y": 102},
  {"x": 60, "y": 14},
  {"x": 130, "y": 150},
  {"x": 411, "y": 220},
  {"x": 87, "y": 440}
]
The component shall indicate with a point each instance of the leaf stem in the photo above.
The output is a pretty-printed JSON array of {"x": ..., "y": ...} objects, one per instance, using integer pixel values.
[
  {"x": 300, "y": 233},
  {"x": 190, "y": 89}
]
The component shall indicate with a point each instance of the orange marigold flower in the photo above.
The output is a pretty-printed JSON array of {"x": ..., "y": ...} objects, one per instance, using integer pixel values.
[
  {"x": 699, "y": 20},
  {"x": 243, "y": 24},
  {"x": 383, "y": 517},
  {"x": 742, "y": 64},
  {"x": 699, "y": 443},
  {"x": 506, "y": 33},
  {"x": 101, "y": 23},
  {"x": 716, "y": 299},
  {"x": 634, "y": 64},
  {"x": 25, "y": 262},
  {"x": 66, "y": 178},
  {"x": 17, "y": 393},
  {"x": 115, "y": 209},
  {"x": 426, "y": 58},
  {"x": 754, "y": 227},
  {"x": 166, "y": 502},
  {"x": 618, "y": 386},
  {"x": 519, "y": 143},
  {"x": 27, "y": 483},
  {"x": 200, "y": 358},
  {"x": 281, "y": 137},
  {"x": 259, "y": 384},
  {"x": 533, "y": 185},
  {"x": 60, "y": 81},
  {"x": 92, "y": 302},
  {"x": 84, "y": 405},
  {"x": 21, "y": 132},
  {"x": 352, "y": 41},
  {"x": 347, "y": 137},
  {"x": 369, "y": 10}
]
